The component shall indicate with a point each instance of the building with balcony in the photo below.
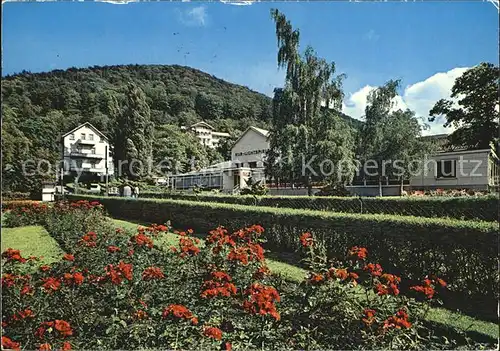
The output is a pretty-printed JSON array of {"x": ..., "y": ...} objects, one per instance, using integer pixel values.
[
  {"x": 206, "y": 134},
  {"x": 86, "y": 151}
]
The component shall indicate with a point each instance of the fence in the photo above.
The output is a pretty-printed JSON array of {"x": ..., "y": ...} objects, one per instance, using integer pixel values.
[{"x": 475, "y": 208}]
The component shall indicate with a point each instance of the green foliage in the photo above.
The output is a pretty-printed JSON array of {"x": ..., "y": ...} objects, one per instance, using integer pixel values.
[
  {"x": 256, "y": 188},
  {"x": 460, "y": 251},
  {"x": 302, "y": 130},
  {"x": 459, "y": 207},
  {"x": 391, "y": 135},
  {"x": 476, "y": 117}
]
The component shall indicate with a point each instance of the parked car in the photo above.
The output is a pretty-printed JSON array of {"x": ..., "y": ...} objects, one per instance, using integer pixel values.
[{"x": 95, "y": 188}]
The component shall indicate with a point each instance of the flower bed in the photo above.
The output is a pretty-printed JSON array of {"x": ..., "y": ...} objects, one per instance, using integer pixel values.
[
  {"x": 116, "y": 290},
  {"x": 410, "y": 246}
]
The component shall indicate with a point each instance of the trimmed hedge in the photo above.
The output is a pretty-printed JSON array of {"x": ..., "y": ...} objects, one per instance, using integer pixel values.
[
  {"x": 15, "y": 195},
  {"x": 477, "y": 208},
  {"x": 463, "y": 252}
]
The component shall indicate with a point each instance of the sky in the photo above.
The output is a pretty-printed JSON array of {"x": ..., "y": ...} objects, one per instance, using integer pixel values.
[{"x": 426, "y": 44}]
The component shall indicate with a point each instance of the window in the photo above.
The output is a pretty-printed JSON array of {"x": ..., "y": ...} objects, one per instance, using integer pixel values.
[
  {"x": 446, "y": 169},
  {"x": 91, "y": 136},
  {"x": 92, "y": 151},
  {"x": 252, "y": 164},
  {"x": 92, "y": 164},
  {"x": 72, "y": 136},
  {"x": 83, "y": 136}
]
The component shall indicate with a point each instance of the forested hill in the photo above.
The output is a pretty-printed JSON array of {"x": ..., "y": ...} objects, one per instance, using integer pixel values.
[
  {"x": 38, "y": 107},
  {"x": 175, "y": 94}
]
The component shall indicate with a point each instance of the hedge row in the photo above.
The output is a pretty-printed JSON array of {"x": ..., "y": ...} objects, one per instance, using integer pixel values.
[
  {"x": 463, "y": 252},
  {"x": 478, "y": 208},
  {"x": 15, "y": 195}
]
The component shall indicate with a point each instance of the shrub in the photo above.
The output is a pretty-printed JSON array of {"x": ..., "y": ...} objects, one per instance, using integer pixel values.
[
  {"x": 482, "y": 208},
  {"x": 115, "y": 291},
  {"x": 460, "y": 251}
]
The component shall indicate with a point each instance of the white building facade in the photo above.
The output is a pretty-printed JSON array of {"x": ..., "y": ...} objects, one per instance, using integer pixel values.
[
  {"x": 85, "y": 150},
  {"x": 247, "y": 160},
  {"x": 465, "y": 169},
  {"x": 207, "y": 134}
]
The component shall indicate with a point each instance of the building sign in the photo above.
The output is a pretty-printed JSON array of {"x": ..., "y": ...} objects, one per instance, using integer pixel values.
[{"x": 252, "y": 152}]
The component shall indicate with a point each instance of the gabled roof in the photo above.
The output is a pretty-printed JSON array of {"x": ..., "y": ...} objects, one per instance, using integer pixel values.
[
  {"x": 263, "y": 132},
  {"x": 86, "y": 124},
  {"x": 204, "y": 124}
]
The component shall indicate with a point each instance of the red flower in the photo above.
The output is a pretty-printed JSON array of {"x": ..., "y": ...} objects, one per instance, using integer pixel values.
[
  {"x": 142, "y": 240},
  {"x": 152, "y": 273},
  {"x": 51, "y": 284},
  {"x": 75, "y": 278},
  {"x": 27, "y": 290},
  {"x": 369, "y": 316},
  {"x": 66, "y": 346},
  {"x": 227, "y": 346},
  {"x": 45, "y": 347},
  {"x": 187, "y": 247},
  {"x": 427, "y": 290},
  {"x": 180, "y": 311},
  {"x": 63, "y": 327},
  {"x": 262, "y": 300},
  {"x": 359, "y": 252},
  {"x": 140, "y": 314},
  {"x": 399, "y": 321},
  {"x": 26, "y": 313},
  {"x": 112, "y": 249},
  {"x": 212, "y": 332},
  {"x": 116, "y": 273},
  {"x": 13, "y": 255},
  {"x": 45, "y": 268},
  {"x": 316, "y": 278},
  {"x": 374, "y": 269},
  {"x": 306, "y": 240},
  {"x": 219, "y": 286},
  {"x": 68, "y": 257},
  {"x": 8, "y": 344},
  {"x": 341, "y": 273}
]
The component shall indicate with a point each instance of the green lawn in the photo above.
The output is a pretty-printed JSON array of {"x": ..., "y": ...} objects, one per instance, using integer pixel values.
[
  {"x": 297, "y": 274},
  {"x": 32, "y": 241}
]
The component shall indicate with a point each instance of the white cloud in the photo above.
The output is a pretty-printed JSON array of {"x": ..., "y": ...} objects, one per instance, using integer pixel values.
[
  {"x": 237, "y": 2},
  {"x": 197, "y": 16},
  {"x": 419, "y": 97}
]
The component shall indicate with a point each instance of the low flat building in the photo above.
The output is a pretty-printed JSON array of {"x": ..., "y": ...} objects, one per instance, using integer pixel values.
[{"x": 247, "y": 160}]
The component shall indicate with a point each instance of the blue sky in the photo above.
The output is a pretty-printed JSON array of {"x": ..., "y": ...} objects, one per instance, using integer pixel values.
[{"x": 370, "y": 42}]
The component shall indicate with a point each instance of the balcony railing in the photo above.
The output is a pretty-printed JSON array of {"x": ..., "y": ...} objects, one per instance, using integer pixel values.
[
  {"x": 77, "y": 154},
  {"x": 87, "y": 169}
]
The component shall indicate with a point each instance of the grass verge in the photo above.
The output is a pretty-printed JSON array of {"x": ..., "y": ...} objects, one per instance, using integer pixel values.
[{"x": 32, "y": 241}]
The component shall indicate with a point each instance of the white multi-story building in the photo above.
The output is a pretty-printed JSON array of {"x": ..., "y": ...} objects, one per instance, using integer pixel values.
[
  {"x": 207, "y": 134},
  {"x": 85, "y": 150}
]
